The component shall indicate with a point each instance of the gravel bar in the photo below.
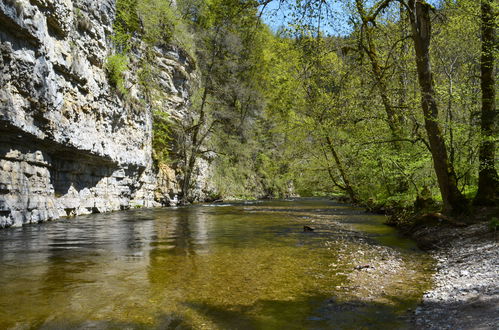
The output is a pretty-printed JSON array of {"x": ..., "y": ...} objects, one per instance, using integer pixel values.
[{"x": 466, "y": 282}]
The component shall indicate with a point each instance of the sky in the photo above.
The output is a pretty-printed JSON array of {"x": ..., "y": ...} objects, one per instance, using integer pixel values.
[{"x": 277, "y": 14}]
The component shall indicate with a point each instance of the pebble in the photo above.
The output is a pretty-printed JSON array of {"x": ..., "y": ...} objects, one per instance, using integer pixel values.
[{"x": 466, "y": 284}]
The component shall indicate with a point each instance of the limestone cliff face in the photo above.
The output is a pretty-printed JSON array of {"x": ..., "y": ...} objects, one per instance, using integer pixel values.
[{"x": 69, "y": 144}]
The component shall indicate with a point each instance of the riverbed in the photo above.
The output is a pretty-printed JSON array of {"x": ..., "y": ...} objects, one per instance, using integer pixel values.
[{"x": 241, "y": 265}]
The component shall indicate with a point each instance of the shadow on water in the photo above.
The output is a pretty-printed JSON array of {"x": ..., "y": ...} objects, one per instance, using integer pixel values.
[
  {"x": 271, "y": 314},
  {"x": 312, "y": 312},
  {"x": 165, "y": 322},
  {"x": 279, "y": 314}
]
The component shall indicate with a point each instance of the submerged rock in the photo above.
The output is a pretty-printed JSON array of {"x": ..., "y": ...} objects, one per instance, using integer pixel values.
[{"x": 307, "y": 229}]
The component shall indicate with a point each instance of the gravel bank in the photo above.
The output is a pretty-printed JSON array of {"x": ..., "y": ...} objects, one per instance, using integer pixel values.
[{"x": 466, "y": 282}]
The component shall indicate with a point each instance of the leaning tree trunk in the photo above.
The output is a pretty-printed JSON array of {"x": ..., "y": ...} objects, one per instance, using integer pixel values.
[
  {"x": 488, "y": 181},
  {"x": 454, "y": 201},
  {"x": 347, "y": 185}
]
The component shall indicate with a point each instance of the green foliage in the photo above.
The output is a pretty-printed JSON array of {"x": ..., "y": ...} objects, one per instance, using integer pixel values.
[
  {"x": 494, "y": 224},
  {"x": 140, "y": 26},
  {"x": 145, "y": 24},
  {"x": 162, "y": 24},
  {"x": 154, "y": 22},
  {"x": 126, "y": 24},
  {"x": 116, "y": 66},
  {"x": 298, "y": 111},
  {"x": 235, "y": 178},
  {"x": 161, "y": 140}
]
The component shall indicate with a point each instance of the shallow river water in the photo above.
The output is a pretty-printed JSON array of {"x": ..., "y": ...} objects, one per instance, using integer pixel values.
[{"x": 245, "y": 265}]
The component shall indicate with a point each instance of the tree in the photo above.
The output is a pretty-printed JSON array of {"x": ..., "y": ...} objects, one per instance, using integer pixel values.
[
  {"x": 488, "y": 181},
  {"x": 369, "y": 47},
  {"x": 325, "y": 81},
  {"x": 454, "y": 201},
  {"x": 328, "y": 114},
  {"x": 225, "y": 32}
]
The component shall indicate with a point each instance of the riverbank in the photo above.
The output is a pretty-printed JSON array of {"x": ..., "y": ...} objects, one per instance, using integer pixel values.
[
  {"x": 465, "y": 293},
  {"x": 466, "y": 282}
]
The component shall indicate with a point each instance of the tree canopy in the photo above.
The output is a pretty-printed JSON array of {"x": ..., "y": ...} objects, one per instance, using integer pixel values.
[{"x": 401, "y": 106}]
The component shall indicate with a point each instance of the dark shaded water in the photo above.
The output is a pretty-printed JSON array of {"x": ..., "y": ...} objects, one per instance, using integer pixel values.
[{"x": 228, "y": 266}]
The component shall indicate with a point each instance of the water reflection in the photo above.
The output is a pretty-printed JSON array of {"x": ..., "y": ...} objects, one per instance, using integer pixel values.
[
  {"x": 183, "y": 232},
  {"x": 227, "y": 266}
]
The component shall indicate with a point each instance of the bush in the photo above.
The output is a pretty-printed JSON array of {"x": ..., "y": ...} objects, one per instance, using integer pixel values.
[
  {"x": 494, "y": 224},
  {"x": 161, "y": 139},
  {"x": 116, "y": 65}
]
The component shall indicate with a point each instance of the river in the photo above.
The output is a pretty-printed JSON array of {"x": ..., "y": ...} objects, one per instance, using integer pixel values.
[{"x": 245, "y": 265}]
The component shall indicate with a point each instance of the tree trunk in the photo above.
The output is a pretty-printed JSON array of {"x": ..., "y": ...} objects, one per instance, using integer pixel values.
[
  {"x": 488, "y": 181},
  {"x": 195, "y": 144},
  {"x": 454, "y": 201},
  {"x": 370, "y": 49},
  {"x": 348, "y": 187},
  {"x": 403, "y": 51}
]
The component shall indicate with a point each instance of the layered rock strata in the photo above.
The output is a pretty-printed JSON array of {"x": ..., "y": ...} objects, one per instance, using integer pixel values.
[{"x": 69, "y": 144}]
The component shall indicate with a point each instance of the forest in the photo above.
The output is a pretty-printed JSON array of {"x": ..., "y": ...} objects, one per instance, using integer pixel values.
[
  {"x": 249, "y": 164},
  {"x": 389, "y": 104}
]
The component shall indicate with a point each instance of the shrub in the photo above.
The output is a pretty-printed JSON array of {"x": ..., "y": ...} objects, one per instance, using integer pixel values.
[
  {"x": 161, "y": 136},
  {"x": 494, "y": 224},
  {"x": 116, "y": 66}
]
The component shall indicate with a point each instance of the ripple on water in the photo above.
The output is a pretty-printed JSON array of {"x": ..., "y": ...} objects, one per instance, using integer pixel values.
[{"x": 232, "y": 265}]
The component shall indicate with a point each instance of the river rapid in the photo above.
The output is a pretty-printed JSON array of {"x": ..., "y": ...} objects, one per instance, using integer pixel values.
[{"x": 245, "y": 265}]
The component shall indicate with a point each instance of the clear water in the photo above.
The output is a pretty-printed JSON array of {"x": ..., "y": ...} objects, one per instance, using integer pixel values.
[{"x": 225, "y": 266}]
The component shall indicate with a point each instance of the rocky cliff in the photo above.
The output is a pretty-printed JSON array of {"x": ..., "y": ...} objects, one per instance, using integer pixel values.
[{"x": 69, "y": 144}]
